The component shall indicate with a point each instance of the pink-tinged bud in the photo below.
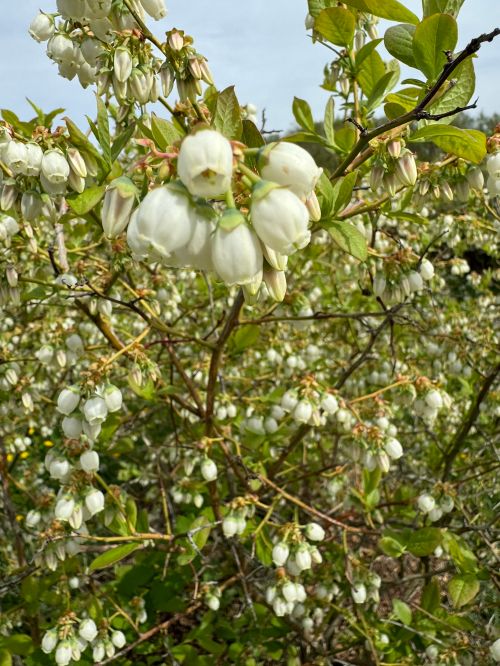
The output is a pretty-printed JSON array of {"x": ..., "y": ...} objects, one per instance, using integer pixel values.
[
  {"x": 140, "y": 86},
  {"x": 391, "y": 182},
  {"x": 447, "y": 191},
  {"x": 76, "y": 182},
  {"x": 175, "y": 40},
  {"x": 406, "y": 168},
  {"x": 275, "y": 283},
  {"x": 376, "y": 177},
  {"x": 394, "y": 148},
  {"x": 122, "y": 64},
  {"x": 206, "y": 74},
  {"x": 275, "y": 259},
  {"x": 42, "y": 27},
  {"x": 104, "y": 80},
  {"x": 194, "y": 68},
  {"x": 313, "y": 207},
  {"x": 76, "y": 162},
  {"x": 167, "y": 78}
]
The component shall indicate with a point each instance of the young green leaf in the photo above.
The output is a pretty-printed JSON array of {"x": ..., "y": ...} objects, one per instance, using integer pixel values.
[
  {"x": 398, "y": 40},
  {"x": 336, "y": 25},
  {"x": 402, "y": 611},
  {"x": 113, "y": 555},
  {"x": 227, "y": 116},
  {"x": 83, "y": 203},
  {"x": 462, "y": 589},
  {"x": 388, "y": 9},
  {"x": 303, "y": 114},
  {"x": 468, "y": 144},
  {"x": 349, "y": 239},
  {"x": 433, "y": 37},
  {"x": 424, "y": 542}
]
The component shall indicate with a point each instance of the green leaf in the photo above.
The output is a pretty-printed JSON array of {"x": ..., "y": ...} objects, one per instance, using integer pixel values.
[
  {"x": 365, "y": 51},
  {"x": 227, "y": 116},
  {"x": 435, "y": 35},
  {"x": 80, "y": 141},
  {"x": 462, "y": 589},
  {"x": 425, "y": 541},
  {"x": 303, "y": 114},
  {"x": 113, "y": 555},
  {"x": 121, "y": 141},
  {"x": 391, "y": 547},
  {"x": 165, "y": 133},
  {"x": 19, "y": 125},
  {"x": 431, "y": 598},
  {"x": 468, "y": 144},
  {"x": 398, "y": 40},
  {"x": 244, "y": 337},
  {"x": 351, "y": 240},
  {"x": 402, "y": 611},
  {"x": 345, "y": 138},
  {"x": 388, "y": 9},
  {"x": 458, "y": 94},
  {"x": 315, "y": 7},
  {"x": 336, "y": 25},
  {"x": 381, "y": 88},
  {"x": 371, "y": 71},
  {"x": 252, "y": 138},
  {"x": 103, "y": 130},
  {"x": 464, "y": 558},
  {"x": 87, "y": 200},
  {"x": 406, "y": 98},
  {"x": 442, "y": 7},
  {"x": 5, "y": 658},
  {"x": 200, "y": 537},
  {"x": 20, "y": 644},
  {"x": 342, "y": 191}
]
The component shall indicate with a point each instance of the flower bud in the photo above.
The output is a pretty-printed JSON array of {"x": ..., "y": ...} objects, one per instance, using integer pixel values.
[
  {"x": 415, "y": 281},
  {"x": 329, "y": 404},
  {"x": 280, "y": 554},
  {"x": 11, "y": 275},
  {"x": 175, "y": 40},
  {"x": 68, "y": 400},
  {"x": 72, "y": 427},
  {"x": 167, "y": 78},
  {"x": 94, "y": 501},
  {"x": 394, "y": 148},
  {"x": 140, "y": 85},
  {"x": 208, "y": 469},
  {"x": 302, "y": 411},
  {"x": 205, "y": 163},
  {"x": 49, "y": 641},
  {"x": 406, "y": 169},
  {"x": 117, "y": 206},
  {"x": 426, "y": 270},
  {"x": 60, "y": 48},
  {"x": 434, "y": 399},
  {"x": 314, "y": 532},
  {"x": 206, "y": 74},
  {"x": 275, "y": 283},
  {"x": 122, "y": 64},
  {"x": 76, "y": 162},
  {"x": 312, "y": 205},
  {"x": 8, "y": 198},
  {"x": 118, "y": 639},
  {"x": 55, "y": 167}
]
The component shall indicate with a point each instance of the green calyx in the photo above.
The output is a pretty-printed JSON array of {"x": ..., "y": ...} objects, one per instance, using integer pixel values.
[
  {"x": 230, "y": 219},
  {"x": 262, "y": 189}
]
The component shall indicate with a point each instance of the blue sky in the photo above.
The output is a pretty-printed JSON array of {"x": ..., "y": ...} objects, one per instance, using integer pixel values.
[{"x": 259, "y": 45}]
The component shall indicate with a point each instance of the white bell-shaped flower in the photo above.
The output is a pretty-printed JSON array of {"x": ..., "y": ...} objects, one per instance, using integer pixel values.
[
  {"x": 303, "y": 558},
  {"x": 280, "y": 554},
  {"x": 279, "y": 218},
  {"x": 426, "y": 503},
  {"x": 55, "y": 167},
  {"x": 118, "y": 639},
  {"x": 34, "y": 156},
  {"x": 94, "y": 501},
  {"x": 236, "y": 252},
  {"x": 314, "y": 532},
  {"x": 60, "y": 48},
  {"x": 15, "y": 156},
  {"x": 42, "y": 27},
  {"x": 95, "y": 410},
  {"x": 205, "y": 163},
  {"x": 358, "y": 592},
  {"x": 208, "y": 469},
  {"x": 393, "y": 448},
  {"x": 72, "y": 427},
  {"x": 290, "y": 165},
  {"x": 122, "y": 64},
  {"x": 88, "y": 629},
  {"x": 89, "y": 461},
  {"x": 98, "y": 9},
  {"x": 49, "y": 641},
  {"x": 426, "y": 270},
  {"x": 198, "y": 251},
  {"x": 64, "y": 653},
  {"x": 68, "y": 400},
  {"x": 162, "y": 224},
  {"x": 64, "y": 508},
  {"x": 113, "y": 398},
  {"x": 155, "y": 8}
]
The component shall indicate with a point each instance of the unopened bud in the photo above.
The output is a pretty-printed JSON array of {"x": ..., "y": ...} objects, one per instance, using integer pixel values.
[
  {"x": 394, "y": 148},
  {"x": 175, "y": 40},
  {"x": 11, "y": 275},
  {"x": 406, "y": 169},
  {"x": 122, "y": 64},
  {"x": 117, "y": 206},
  {"x": 275, "y": 283}
]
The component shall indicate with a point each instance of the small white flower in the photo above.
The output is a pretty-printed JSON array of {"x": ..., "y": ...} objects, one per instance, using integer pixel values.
[
  {"x": 205, "y": 164},
  {"x": 303, "y": 411},
  {"x": 434, "y": 399},
  {"x": 236, "y": 255},
  {"x": 117, "y": 206},
  {"x": 289, "y": 401},
  {"x": 279, "y": 218},
  {"x": 122, "y": 64},
  {"x": 229, "y": 526},
  {"x": 118, "y": 639},
  {"x": 87, "y": 629},
  {"x": 280, "y": 606},
  {"x": 315, "y": 532},
  {"x": 55, "y": 167},
  {"x": 329, "y": 404},
  {"x": 89, "y": 461},
  {"x": 213, "y": 602},
  {"x": 15, "y": 156},
  {"x": 72, "y": 427},
  {"x": 280, "y": 554},
  {"x": 426, "y": 503},
  {"x": 59, "y": 468},
  {"x": 49, "y": 641},
  {"x": 64, "y": 508},
  {"x": 493, "y": 164},
  {"x": 303, "y": 558},
  {"x": 64, "y": 653},
  {"x": 208, "y": 469},
  {"x": 34, "y": 156},
  {"x": 426, "y": 270},
  {"x": 155, "y": 8},
  {"x": 358, "y": 592},
  {"x": 393, "y": 448},
  {"x": 32, "y": 518},
  {"x": 94, "y": 501},
  {"x": 95, "y": 410},
  {"x": 42, "y": 27},
  {"x": 113, "y": 398},
  {"x": 289, "y": 592},
  {"x": 98, "y": 652},
  {"x": 290, "y": 165}
]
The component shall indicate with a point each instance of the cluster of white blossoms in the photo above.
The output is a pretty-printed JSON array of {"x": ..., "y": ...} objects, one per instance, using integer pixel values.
[
  {"x": 493, "y": 168},
  {"x": 53, "y": 168},
  {"x": 69, "y": 641},
  {"x": 395, "y": 289},
  {"x": 96, "y": 43},
  {"x": 185, "y": 223},
  {"x": 395, "y": 167},
  {"x": 433, "y": 509}
]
